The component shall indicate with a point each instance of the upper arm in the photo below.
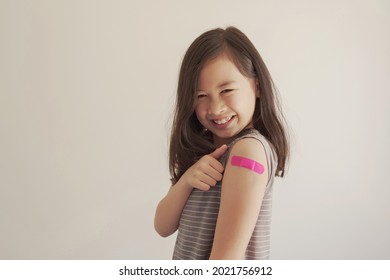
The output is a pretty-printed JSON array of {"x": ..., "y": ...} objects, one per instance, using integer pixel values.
[{"x": 241, "y": 197}]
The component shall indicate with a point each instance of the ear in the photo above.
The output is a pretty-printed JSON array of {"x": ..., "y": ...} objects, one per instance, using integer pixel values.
[{"x": 257, "y": 88}]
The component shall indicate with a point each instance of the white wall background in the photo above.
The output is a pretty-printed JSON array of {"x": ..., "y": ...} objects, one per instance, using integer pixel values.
[{"x": 86, "y": 94}]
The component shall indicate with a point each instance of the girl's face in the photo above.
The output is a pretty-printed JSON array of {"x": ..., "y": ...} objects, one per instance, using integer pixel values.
[{"x": 225, "y": 100}]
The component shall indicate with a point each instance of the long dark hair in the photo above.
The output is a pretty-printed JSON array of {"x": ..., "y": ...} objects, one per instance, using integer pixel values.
[{"x": 188, "y": 140}]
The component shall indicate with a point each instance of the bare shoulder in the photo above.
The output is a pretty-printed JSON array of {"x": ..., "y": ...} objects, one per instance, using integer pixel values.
[
  {"x": 247, "y": 163},
  {"x": 248, "y": 151},
  {"x": 249, "y": 147}
]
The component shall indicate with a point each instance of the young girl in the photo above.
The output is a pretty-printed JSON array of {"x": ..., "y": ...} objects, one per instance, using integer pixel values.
[{"x": 227, "y": 145}]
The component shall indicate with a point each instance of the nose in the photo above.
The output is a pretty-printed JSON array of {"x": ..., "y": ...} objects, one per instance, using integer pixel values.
[{"x": 216, "y": 106}]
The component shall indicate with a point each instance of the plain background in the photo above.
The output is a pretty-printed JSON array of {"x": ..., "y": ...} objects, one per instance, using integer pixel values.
[{"x": 86, "y": 96}]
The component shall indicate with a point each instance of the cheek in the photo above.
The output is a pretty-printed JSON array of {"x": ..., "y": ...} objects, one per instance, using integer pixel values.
[
  {"x": 242, "y": 103},
  {"x": 235, "y": 102}
]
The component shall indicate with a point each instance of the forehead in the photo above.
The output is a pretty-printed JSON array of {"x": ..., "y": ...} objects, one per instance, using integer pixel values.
[{"x": 217, "y": 71}]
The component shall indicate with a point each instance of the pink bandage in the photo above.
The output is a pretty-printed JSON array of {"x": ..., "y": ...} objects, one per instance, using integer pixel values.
[{"x": 247, "y": 163}]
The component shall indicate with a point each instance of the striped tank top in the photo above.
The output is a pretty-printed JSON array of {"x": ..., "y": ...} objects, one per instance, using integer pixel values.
[{"x": 199, "y": 216}]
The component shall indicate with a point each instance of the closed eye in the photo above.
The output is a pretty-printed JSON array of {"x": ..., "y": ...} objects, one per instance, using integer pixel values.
[
  {"x": 201, "y": 95},
  {"x": 227, "y": 90}
]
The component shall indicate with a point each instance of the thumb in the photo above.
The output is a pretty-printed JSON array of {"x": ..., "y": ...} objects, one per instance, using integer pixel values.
[{"x": 219, "y": 152}]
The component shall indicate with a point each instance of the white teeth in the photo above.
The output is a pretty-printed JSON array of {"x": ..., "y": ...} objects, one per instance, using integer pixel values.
[{"x": 223, "y": 121}]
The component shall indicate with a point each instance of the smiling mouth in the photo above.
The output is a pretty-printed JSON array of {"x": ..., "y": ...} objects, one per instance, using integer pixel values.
[{"x": 223, "y": 121}]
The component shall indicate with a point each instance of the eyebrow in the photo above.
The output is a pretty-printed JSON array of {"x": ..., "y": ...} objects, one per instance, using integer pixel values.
[
  {"x": 223, "y": 84},
  {"x": 226, "y": 83}
]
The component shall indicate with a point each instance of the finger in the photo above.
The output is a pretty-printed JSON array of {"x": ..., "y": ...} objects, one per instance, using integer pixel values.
[
  {"x": 210, "y": 181},
  {"x": 214, "y": 174},
  {"x": 215, "y": 164},
  {"x": 219, "y": 152},
  {"x": 201, "y": 180},
  {"x": 212, "y": 167},
  {"x": 201, "y": 186}
]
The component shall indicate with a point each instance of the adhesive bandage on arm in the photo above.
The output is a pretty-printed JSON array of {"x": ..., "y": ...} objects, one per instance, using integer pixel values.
[{"x": 247, "y": 163}]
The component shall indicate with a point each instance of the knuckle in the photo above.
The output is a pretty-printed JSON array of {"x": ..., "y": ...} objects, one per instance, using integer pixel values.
[{"x": 209, "y": 159}]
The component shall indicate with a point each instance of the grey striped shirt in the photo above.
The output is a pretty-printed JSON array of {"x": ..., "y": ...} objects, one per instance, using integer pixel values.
[{"x": 199, "y": 216}]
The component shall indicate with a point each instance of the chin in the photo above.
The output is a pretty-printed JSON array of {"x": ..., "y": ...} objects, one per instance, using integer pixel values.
[{"x": 224, "y": 137}]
